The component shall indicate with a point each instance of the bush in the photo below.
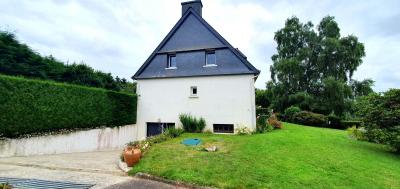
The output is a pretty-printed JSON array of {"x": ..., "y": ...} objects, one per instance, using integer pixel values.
[
  {"x": 262, "y": 111},
  {"x": 381, "y": 117},
  {"x": 261, "y": 124},
  {"x": 347, "y": 124},
  {"x": 174, "y": 132},
  {"x": 243, "y": 131},
  {"x": 192, "y": 124},
  {"x": 289, "y": 112},
  {"x": 356, "y": 133},
  {"x": 334, "y": 122},
  {"x": 273, "y": 120},
  {"x": 310, "y": 119},
  {"x": 33, "y": 106}
]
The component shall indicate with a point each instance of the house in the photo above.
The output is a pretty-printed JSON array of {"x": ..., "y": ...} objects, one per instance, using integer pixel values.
[{"x": 196, "y": 71}]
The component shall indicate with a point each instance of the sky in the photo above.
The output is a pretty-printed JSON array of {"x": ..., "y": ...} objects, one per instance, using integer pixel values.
[{"x": 118, "y": 36}]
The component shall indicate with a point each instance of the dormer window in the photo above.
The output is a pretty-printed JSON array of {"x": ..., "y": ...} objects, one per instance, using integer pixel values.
[
  {"x": 171, "y": 61},
  {"x": 211, "y": 58}
]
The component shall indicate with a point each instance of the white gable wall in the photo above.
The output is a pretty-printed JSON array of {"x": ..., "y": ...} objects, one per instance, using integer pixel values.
[{"x": 221, "y": 100}]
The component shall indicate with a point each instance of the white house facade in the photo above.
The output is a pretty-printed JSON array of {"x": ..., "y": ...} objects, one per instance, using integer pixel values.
[{"x": 195, "y": 71}]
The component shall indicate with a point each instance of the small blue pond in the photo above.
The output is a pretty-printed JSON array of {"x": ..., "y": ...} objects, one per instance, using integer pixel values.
[{"x": 191, "y": 142}]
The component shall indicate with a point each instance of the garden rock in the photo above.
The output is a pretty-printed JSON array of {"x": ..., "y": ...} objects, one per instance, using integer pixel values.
[{"x": 211, "y": 149}]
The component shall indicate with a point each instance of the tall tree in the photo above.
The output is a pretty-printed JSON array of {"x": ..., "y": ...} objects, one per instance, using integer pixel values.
[{"x": 314, "y": 65}]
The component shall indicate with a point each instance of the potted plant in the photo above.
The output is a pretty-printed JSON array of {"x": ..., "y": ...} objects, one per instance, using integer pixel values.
[{"x": 132, "y": 154}]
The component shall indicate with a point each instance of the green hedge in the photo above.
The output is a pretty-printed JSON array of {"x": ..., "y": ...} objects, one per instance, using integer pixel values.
[
  {"x": 34, "y": 106},
  {"x": 310, "y": 119}
]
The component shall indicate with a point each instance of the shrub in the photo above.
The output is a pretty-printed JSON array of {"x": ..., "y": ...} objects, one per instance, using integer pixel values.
[
  {"x": 157, "y": 139},
  {"x": 33, "y": 106},
  {"x": 173, "y": 132},
  {"x": 243, "y": 131},
  {"x": 310, "y": 119},
  {"x": 334, "y": 122},
  {"x": 356, "y": 133},
  {"x": 347, "y": 124},
  {"x": 289, "y": 112},
  {"x": 381, "y": 117},
  {"x": 262, "y": 111},
  {"x": 261, "y": 124},
  {"x": 192, "y": 124},
  {"x": 273, "y": 120}
]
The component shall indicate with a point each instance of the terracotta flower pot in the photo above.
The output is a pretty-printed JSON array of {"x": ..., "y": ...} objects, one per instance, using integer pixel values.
[{"x": 132, "y": 157}]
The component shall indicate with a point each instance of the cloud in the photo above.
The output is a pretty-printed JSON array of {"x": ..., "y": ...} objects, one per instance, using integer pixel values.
[{"x": 118, "y": 36}]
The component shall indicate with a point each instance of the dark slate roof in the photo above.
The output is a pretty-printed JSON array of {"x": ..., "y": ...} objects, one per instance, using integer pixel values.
[{"x": 189, "y": 39}]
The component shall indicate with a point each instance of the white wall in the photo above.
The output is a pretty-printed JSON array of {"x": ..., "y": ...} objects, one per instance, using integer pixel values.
[
  {"x": 221, "y": 100},
  {"x": 80, "y": 141}
]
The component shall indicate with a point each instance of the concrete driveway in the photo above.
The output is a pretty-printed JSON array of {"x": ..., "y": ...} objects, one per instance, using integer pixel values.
[{"x": 99, "y": 168}]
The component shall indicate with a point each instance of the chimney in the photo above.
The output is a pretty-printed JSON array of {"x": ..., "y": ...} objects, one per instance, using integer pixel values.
[{"x": 196, "y": 5}]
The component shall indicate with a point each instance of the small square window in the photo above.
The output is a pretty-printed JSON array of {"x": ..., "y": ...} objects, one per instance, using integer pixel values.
[
  {"x": 171, "y": 61},
  {"x": 210, "y": 58},
  {"x": 193, "y": 91}
]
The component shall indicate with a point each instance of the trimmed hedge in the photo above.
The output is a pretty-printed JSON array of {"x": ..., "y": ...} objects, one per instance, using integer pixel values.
[
  {"x": 310, "y": 119},
  {"x": 33, "y": 106}
]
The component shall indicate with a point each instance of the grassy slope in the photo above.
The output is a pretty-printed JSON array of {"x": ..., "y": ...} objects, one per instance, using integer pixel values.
[{"x": 295, "y": 157}]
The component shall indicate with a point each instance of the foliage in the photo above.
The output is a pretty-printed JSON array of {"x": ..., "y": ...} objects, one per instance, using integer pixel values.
[
  {"x": 289, "y": 112},
  {"x": 33, "y": 106},
  {"x": 327, "y": 156},
  {"x": 263, "y": 98},
  {"x": 381, "y": 117},
  {"x": 312, "y": 68},
  {"x": 242, "y": 131},
  {"x": 310, "y": 118},
  {"x": 334, "y": 122},
  {"x": 261, "y": 125},
  {"x": 5, "y": 186},
  {"x": 347, "y": 124},
  {"x": 173, "y": 132},
  {"x": 18, "y": 59},
  {"x": 356, "y": 133},
  {"x": 273, "y": 120},
  {"x": 262, "y": 111},
  {"x": 192, "y": 124}
]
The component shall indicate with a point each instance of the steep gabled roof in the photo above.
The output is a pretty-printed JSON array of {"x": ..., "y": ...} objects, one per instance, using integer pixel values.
[{"x": 250, "y": 69}]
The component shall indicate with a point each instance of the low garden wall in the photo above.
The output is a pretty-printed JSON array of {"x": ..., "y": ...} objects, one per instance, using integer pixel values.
[{"x": 79, "y": 141}]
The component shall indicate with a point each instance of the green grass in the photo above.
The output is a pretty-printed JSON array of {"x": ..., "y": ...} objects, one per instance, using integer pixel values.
[{"x": 294, "y": 157}]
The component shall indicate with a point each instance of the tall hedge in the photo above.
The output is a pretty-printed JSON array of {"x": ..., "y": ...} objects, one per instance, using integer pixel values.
[{"x": 33, "y": 106}]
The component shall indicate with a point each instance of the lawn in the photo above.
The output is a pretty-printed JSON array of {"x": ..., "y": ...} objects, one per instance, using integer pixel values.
[{"x": 294, "y": 157}]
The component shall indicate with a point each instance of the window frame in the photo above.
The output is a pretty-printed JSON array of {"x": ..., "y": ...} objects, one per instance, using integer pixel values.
[
  {"x": 225, "y": 128},
  {"x": 191, "y": 91},
  {"x": 208, "y": 52},
  {"x": 169, "y": 62}
]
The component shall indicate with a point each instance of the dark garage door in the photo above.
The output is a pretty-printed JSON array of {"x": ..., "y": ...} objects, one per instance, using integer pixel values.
[{"x": 157, "y": 128}]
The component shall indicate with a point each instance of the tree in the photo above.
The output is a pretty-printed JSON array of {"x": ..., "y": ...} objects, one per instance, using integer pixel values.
[
  {"x": 313, "y": 69},
  {"x": 381, "y": 117}
]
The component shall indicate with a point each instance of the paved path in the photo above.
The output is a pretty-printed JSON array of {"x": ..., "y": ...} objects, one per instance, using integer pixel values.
[{"x": 99, "y": 168}]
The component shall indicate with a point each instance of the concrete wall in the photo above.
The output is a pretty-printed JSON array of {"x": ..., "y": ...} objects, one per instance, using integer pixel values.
[
  {"x": 80, "y": 141},
  {"x": 220, "y": 100}
]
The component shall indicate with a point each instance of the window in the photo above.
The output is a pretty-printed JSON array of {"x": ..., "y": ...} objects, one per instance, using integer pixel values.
[
  {"x": 171, "y": 61},
  {"x": 210, "y": 58},
  {"x": 223, "y": 128},
  {"x": 193, "y": 91}
]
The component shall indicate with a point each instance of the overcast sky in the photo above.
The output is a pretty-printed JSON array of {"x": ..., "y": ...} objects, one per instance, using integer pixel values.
[{"x": 117, "y": 36}]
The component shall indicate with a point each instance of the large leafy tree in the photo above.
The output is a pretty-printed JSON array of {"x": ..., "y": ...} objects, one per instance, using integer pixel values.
[{"x": 314, "y": 68}]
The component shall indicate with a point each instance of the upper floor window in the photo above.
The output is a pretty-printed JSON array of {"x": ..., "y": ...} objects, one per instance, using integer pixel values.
[
  {"x": 171, "y": 61},
  {"x": 211, "y": 58}
]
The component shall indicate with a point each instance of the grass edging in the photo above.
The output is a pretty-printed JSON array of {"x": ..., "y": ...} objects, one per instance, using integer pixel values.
[{"x": 171, "y": 182}]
